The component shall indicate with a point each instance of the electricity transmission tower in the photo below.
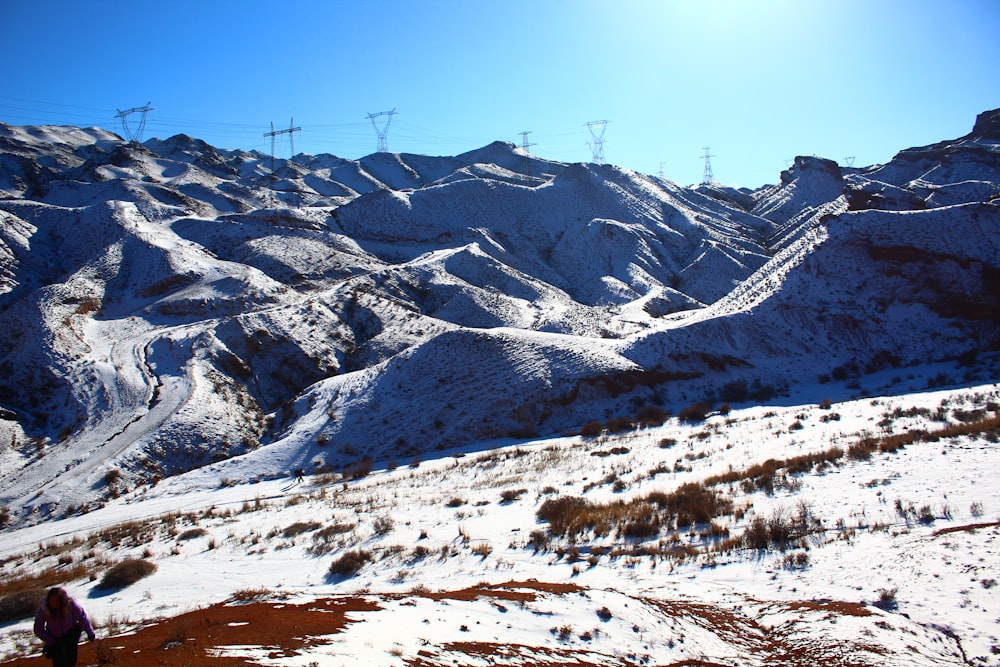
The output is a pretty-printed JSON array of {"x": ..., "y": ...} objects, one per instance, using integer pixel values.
[
  {"x": 525, "y": 160},
  {"x": 524, "y": 140},
  {"x": 383, "y": 144},
  {"x": 134, "y": 135},
  {"x": 597, "y": 145},
  {"x": 849, "y": 161},
  {"x": 291, "y": 137},
  {"x": 707, "y": 177}
]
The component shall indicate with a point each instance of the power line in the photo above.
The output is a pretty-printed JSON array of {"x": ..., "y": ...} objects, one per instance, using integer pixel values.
[{"x": 54, "y": 104}]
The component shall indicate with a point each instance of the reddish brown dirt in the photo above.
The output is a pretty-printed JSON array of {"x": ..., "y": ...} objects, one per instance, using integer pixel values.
[
  {"x": 504, "y": 591},
  {"x": 285, "y": 630},
  {"x": 185, "y": 640},
  {"x": 966, "y": 529},
  {"x": 837, "y": 607}
]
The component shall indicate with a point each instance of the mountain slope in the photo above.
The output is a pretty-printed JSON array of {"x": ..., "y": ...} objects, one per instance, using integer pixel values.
[{"x": 171, "y": 305}]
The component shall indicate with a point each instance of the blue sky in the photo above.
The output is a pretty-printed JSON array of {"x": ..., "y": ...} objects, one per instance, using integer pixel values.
[{"x": 758, "y": 82}]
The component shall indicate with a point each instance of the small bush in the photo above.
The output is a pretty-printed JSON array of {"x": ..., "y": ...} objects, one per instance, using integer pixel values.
[
  {"x": 734, "y": 392},
  {"x": 620, "y": 424},
  {"x": 926, "y": 515},
  {"x": 384, "y": 525},
  {"x": 592, "y": 429},
  {"x": 651, "y": 415},
  {"x": 20, "y": 605},
  {"x": 510, "y": 495},
  {"x": 696, "y": 412},
  {"x": 358, "y": 469},
  {"x": 795, "y": 560},
  {"x": 756, "y": 535},
  {"x": 251, "y": 594},
  {"x": 350, "y": 563},
  {"x": 192, "y": 533},
  {"x": 886, "y": 599},
  {"x": 301, "y": 527},
  {"x": 562, "y": 513},
  {"x": 695, "y": 503},
  {"x": 483, "y": 549},
  {"x": 127, "y": 573},
  {"x": 539, "y": 540}
]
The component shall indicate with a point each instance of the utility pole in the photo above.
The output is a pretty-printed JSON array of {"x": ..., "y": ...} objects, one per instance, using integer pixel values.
[
  {"x": 383, "y": 144},
  {"x": 597, "y": 146},
  {"x": 273, "y": 133},
  {"x": 136, "y": 135},
  {"x": 707, "y": 177}
]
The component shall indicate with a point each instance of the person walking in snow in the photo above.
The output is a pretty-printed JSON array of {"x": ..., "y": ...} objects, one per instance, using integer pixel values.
[{"x": 59, "y": 623}]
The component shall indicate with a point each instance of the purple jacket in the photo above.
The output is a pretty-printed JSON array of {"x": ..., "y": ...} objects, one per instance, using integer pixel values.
[{"x": 49, "y": 628}]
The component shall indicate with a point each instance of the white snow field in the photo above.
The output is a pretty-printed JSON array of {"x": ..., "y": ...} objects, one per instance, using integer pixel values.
[{"x": 918, "y": 529}]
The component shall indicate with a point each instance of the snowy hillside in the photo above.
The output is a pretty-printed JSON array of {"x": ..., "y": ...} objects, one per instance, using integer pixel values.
[
  {"x": 182, "y": 327},
  {"x": 171, "y": 305}
]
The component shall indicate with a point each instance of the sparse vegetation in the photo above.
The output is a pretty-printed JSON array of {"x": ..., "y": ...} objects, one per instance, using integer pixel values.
[{"x": 637, "y": 519}]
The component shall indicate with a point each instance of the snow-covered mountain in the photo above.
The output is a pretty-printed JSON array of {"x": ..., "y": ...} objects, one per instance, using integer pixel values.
[
  {"x": 170, "y": 305},
  {"x": 502, "y": 340}
]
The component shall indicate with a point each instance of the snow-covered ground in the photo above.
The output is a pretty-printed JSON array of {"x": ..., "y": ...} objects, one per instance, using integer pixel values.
[
  {"x": 922, "y": 522},
  {"x": 427, "y": 339}
]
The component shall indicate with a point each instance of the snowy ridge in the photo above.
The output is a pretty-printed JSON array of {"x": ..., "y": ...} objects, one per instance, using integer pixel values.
[{"x": 182, "y": 321}]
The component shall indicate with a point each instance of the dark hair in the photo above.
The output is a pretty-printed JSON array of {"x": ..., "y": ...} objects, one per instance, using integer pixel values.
[{"x": 63, "y": 597}]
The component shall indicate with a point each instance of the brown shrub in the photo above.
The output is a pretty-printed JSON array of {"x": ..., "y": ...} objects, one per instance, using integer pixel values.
[
  {"x": 696, "y": 412},
  {"x": 350, "y": 563},
  {"x": 20, "y": 605},
  {"x": 696, "y": 503},
  {"x": 651, "y": 415},
  {"x": 126, "y": 573},
  {"x": 564, "y": 514},
  {"x": 301, "y": 527}
]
